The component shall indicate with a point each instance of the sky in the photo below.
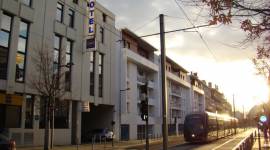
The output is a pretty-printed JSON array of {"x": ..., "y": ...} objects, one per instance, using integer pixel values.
[{"x": 217, "y": 57}]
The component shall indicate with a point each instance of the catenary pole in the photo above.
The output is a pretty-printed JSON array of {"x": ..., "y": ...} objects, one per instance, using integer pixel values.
[{"x": 164, "y": 90}]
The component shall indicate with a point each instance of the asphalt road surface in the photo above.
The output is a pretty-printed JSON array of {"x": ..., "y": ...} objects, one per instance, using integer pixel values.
[{"x": 227, "y": 143}]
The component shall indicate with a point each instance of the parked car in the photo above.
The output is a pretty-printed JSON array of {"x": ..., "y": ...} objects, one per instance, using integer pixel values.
[
  {"x": 101, "y": 134},
  {"x": 5, "y": 142}
]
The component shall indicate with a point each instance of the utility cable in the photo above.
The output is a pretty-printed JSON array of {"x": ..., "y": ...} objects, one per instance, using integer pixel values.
[{"x": 200, "y": 35}]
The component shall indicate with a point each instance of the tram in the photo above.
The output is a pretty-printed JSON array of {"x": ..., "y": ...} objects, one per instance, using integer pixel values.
[{"x": 207, "y": 126}]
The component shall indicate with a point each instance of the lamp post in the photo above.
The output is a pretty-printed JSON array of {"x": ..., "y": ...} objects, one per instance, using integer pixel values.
[{"x": 120, "y": 109}]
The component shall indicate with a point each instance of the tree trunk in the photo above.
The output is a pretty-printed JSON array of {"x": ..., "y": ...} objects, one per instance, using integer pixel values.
[{"x": 47, "y": 124}]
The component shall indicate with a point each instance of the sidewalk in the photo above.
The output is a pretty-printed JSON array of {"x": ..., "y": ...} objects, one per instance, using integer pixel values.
[
  {"x": 118, "y": 145},
  {"x": 265, "y": 144}
]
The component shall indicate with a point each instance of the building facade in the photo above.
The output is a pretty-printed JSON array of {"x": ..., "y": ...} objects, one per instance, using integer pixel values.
[
  {"x": 139, "y": 65},
  {"x": 197, "y": 100},
  {"x": 178, "y": 92},
  {"x": 59, "y": 27}
]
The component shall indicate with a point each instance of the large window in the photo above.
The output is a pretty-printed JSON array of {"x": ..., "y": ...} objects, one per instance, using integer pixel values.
[
  {"x": 27, "y": 2},
  {"x": 6, "y": 23},
  {"x": 69, "y": 65},
  {"x": 71, "y": 15},
  {"x": 102, "y": 34},
  {"x": 29, "y": 111},
  {"x": 10, "y": 116},
  {"x": 56, "y": 53},
  {"x": 59, "y": 12},
  {"x": 100, "y": 75},
  {"x": 92, "y": 73},
  {"x": 21, "y": 53},
  {"x": 61, "y": 114}
]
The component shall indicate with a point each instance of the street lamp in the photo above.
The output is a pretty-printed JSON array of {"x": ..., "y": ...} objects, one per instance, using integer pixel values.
[{"x": 120, "y": 109}]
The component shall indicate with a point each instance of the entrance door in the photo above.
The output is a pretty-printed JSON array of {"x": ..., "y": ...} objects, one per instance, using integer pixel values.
[{"x": 125, "y": 132}]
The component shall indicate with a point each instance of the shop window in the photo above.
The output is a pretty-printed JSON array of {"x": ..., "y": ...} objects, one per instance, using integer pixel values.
[
  {"x": 29, "y": 111},
  {"x": 6, "y": 111},
  {"x": 61, "y": 114}
]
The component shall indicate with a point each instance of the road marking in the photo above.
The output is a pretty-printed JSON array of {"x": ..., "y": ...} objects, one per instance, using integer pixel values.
[{"x": 224, "y": 143}]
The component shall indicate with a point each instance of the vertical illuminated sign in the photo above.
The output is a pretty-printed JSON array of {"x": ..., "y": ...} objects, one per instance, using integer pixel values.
[
  {"x": 91, "y": 17},
  {"x": 90, "y": 40}
]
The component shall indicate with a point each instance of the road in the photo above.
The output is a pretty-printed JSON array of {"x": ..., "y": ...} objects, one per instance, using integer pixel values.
[{"x": 227, "y": 143}]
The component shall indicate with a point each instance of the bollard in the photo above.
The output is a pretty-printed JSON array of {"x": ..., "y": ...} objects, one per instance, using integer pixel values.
[
  {"x": 92, "y": 143},
  {"x": 104, "y": 142}
]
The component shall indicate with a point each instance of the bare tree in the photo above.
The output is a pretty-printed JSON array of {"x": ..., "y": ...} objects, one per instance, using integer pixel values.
[{"x": 48, "y": 82}]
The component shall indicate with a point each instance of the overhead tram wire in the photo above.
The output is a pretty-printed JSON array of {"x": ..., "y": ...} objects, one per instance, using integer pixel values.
[
  {"x": 145, "y": 24},
  {"x": 183, "y": 29},
  {"x": 200, "y": 35}
]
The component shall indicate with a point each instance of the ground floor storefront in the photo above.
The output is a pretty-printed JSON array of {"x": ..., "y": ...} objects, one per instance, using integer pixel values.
[{"x": 24, "y": 117}]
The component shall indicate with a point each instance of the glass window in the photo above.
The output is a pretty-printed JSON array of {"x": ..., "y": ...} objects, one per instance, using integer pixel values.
[
  {"x": 29, "y": 111},
  {"x": 22, "y": 45},
  {"x": 3, "y": 62},
  {"x": 23, "y": 29},
  {"x": 56, "y": 56},
  {"x": 102, "y": 34},
  {"x": 104, "y": 17},
  {"x": 61, "y": 117},
  {"x": 4, "y": 38},
  {"x": 59, "y": 12},
  {"x": 57, "y": 40},
  {"x": 100, "y": 74},
  {"x": 68, "y": 63},
  {"x": 71, "y": 15},
  {"x": 26, "y": 2},
  {"x": 21, "y": 52},
  {"x": 92, "y": 73},
  {"x": 20, "y": 61},
  {"x": 6, "y": 22}
]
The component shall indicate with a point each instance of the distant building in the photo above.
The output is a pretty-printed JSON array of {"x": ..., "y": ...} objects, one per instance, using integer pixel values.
[
  {"x": 139, "y": 65},
  {"x": 197, "y": 99},
  {"x": 215, "y": 100},
  {"x": 178, "y": 92}
]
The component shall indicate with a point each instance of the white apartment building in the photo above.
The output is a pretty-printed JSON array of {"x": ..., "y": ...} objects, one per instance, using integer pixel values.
[
  {"x": 59, "y": 26},
  {"x": 139, "y": 65},
  {"x": 178, "y": 92},
  {"x": 197, "y": 98}
]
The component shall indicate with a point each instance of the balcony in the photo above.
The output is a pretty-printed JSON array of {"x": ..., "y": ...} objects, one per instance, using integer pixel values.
[
  {"x": 141, "y": 79},
  {"x": 151, "y": 84}
]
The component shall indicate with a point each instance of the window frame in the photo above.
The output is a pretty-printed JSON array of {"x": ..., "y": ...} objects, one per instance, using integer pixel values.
[
  {"x": 100, "y": 74},
  {"x": 71, "y": 17},
  {"x": 69, "y": 67},
  {"x": 92, "y": 73},
  {"x": 26, "y": 38},
  {"x": 61, "y": 10},
  {"x": 4, "y": 48},
  {"x": 27, "y": 4}
]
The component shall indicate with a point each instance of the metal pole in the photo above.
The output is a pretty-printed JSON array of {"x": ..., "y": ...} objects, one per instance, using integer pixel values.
[
  {"x": 259, "y": 138},
  {"x": 146, "y": 121},
  {"x": 164, "y": 89},
  {"x": 234, "y": 115},
  {"x": 52, "y": 120},
  {"x": 119, "y": 109},
  {"x": 146, "y": 136}
]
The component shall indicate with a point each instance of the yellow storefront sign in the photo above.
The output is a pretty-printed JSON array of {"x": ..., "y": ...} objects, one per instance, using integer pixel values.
[{"x": 10, "y": 99}]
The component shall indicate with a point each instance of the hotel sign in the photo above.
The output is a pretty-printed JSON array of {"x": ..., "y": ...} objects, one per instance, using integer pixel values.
[{"x": 91, "y": 17}]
